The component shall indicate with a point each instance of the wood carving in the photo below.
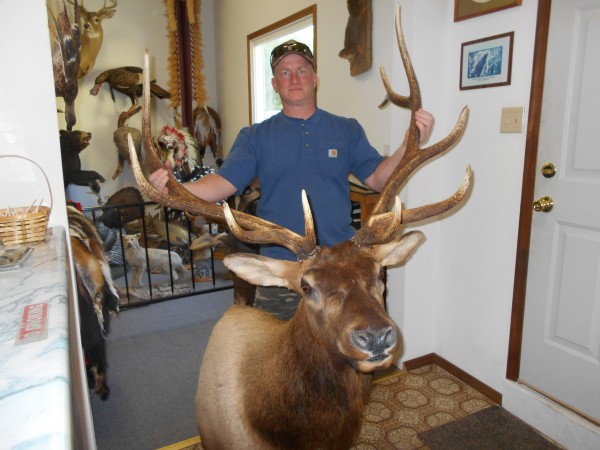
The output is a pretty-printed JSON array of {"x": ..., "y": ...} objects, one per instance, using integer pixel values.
[{"x": 357, "y": 42}]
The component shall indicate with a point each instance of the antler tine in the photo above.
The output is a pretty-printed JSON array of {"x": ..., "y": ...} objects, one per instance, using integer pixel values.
[
  {"x": 378, "y": 226},
  {"x": 286, "y": 238},
  {"x": 413, "y": 102},
  {"x": 179, "y": 197},
  {"x": 256, "y": 230}
]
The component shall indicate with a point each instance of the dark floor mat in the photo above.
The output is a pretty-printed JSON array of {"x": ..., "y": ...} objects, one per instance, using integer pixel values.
[{"x": 492, "y": 428}]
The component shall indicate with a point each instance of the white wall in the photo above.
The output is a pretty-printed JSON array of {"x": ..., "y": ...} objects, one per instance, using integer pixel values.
[
  {"x": 28, "y": 124},
  {"x": 473, "y": 249}
]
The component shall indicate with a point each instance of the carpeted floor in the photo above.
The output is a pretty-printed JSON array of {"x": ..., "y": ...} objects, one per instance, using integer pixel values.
[
  {"x": 491, "y": 428},
  {"x": 427, "y": 408}
]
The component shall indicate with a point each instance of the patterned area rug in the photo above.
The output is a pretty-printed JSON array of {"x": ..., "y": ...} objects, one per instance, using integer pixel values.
[{"x": 402, "y": 405}]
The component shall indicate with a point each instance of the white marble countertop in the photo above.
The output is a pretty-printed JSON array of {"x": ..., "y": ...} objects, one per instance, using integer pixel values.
[{"x": 35, "y": 398}]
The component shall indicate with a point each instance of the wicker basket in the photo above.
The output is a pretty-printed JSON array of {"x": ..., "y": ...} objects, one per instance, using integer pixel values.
[{"x": 22, "y": 224}]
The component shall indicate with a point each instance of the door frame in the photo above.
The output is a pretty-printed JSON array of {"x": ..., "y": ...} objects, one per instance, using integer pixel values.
[{"x": 527, "y": 192}]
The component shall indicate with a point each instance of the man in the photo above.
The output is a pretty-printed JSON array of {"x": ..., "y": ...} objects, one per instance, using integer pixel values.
[{"x": 302, "y": 147}]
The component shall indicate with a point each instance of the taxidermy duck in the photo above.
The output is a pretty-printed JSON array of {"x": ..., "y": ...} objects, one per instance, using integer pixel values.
[
  {"x": 66, "y": 42},
  {"x": 126, "y": 80}
]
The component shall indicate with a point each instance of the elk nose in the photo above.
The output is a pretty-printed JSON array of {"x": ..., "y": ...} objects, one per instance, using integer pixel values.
[{"x": 375, "y": 341}]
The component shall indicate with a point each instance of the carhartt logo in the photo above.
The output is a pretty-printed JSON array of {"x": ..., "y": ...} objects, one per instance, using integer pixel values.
[{"x": 333, "y": 153}]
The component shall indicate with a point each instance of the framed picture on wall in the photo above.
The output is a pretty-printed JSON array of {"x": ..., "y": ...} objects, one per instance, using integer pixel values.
[
  {"x": 486, "y": 62},
  {"x": 466, "y": 9}
]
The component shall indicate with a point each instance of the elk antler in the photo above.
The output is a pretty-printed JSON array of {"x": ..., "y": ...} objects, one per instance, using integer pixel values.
[
  {"x": 382, "y": 225},
  {"x": 253, "y": 229}
]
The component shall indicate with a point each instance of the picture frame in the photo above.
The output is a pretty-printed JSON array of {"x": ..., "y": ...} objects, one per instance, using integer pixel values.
[
  {"x": 467, "y": 9},
  {"x": 486, "y": 62}
]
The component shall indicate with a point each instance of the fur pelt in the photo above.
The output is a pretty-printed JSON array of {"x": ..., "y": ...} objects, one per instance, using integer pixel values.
[{"x": 97, "y": 296}]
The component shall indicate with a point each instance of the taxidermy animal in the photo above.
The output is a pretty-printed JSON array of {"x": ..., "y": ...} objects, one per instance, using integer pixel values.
[
  {"x": 120, "y": 140},
  {"x": 303, "y": 383},
  {"x": 179, "y": 148},
  {"x": 65, "y": 41},
  {"x": 129, "y": 195},
  {"x": 135, "y": 255},
  {"x": 126, "y": 80},
  {"x": 97, "y": 297},
  {"x": 92, "y": 35},
  {"x": 357, "y": 40},
  {"x": 178, "y": 235},
  {"x": 72, "y": 143},
  {"x": 207, "y": 131},
  {"x": 201, "y": 246}
]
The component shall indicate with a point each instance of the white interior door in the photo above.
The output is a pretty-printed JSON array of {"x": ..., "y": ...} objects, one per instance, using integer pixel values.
[{"x": 561, "y": 335}]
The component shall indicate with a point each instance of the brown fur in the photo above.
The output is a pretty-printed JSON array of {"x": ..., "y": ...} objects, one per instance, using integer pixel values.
[
  {"x": 303, "y": 383},
  {"x": 97, "y": 296},
  {"x": 127, "y": 196}
]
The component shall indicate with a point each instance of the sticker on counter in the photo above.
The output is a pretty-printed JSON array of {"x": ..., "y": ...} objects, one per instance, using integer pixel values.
[{"x": 34, "y": 324}]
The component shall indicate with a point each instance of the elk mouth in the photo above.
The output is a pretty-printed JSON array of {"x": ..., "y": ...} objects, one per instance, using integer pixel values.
[{"x": 377, "y": 358}]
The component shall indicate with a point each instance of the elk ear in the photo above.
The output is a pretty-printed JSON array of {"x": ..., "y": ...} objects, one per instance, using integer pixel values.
[
  {"x": 260, "y": 270},
  {"x": 398, "y": 250}
]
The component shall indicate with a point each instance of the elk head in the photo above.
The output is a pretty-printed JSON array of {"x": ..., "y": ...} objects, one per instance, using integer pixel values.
[
  {"x": 92, "y": 36},
  {"x": 341, "y": 286}
]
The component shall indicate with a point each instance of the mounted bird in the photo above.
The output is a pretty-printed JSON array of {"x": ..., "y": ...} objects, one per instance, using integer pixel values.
[
  {"x": 128, "y": 81},
  {"x": 120, "y": 140},
  {"x": 66, "y": 42}
]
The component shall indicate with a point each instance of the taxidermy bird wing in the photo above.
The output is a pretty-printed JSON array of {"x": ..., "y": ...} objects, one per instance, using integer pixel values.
[{"x": 159, "y": 91}]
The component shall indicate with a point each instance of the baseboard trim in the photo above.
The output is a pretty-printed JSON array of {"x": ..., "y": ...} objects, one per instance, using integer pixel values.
[{"x": 433, "y": 358}]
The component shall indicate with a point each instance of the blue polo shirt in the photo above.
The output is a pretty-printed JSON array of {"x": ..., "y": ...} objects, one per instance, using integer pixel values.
[{"x": 289, "y": 155}]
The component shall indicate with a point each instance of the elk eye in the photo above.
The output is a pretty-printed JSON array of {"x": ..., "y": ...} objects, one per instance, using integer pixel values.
[
  {"x": 381, "y": 275},
  {"x": 305, "y": 286}
]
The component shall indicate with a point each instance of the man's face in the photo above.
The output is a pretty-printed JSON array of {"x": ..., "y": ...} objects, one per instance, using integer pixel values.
[{"x": 294, "y": 80}]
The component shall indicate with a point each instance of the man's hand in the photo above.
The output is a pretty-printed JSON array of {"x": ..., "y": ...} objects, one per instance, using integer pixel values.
[
  {"x": 159, "y": 178},
  {"x": 424, "y": 120}
]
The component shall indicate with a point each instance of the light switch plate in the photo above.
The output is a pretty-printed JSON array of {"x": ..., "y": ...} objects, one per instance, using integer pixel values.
[{"x": 512, "y": 120}]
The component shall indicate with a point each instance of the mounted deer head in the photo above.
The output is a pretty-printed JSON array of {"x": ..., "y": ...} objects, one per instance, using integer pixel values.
[
  {"x": 303, "y": 383},
  {"x": 92, "y": 35}
]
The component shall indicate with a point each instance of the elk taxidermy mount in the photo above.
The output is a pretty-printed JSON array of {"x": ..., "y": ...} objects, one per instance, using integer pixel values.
[{"x": 303, "y": 383}]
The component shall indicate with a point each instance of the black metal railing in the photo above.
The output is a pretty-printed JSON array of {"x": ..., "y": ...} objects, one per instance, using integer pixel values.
[{"x": 162, "y": 240}]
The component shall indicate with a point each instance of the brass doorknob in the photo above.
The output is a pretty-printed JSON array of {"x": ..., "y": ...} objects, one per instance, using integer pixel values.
[
  {"x": 544, "y": 204},
  {"x": 548, "y": 170}
]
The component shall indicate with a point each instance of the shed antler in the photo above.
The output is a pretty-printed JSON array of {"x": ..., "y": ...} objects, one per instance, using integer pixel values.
[
  {"x": 248, "y": 228},
  {"x": 382, "y": 225}
]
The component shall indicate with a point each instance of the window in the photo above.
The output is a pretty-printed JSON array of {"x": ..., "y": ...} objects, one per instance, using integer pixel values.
[{"x": 264, "y": 102}]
